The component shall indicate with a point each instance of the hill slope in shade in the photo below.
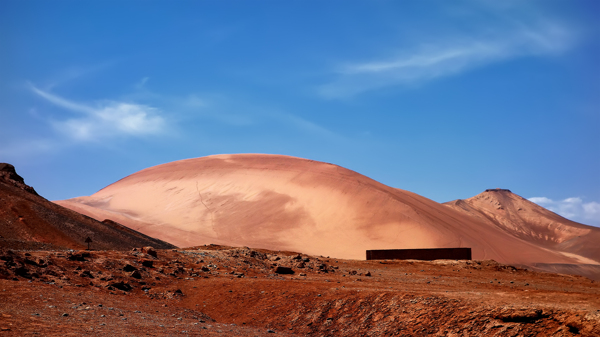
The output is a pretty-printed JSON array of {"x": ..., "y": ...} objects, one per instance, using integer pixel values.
[
  {"x": 286, "y": 203},
  {"x": 28, "y": 221}
]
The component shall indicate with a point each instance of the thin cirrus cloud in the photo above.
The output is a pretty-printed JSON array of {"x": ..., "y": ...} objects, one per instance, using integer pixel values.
[
  {"x": 572, "y": 208},
  {"x": 450, "y": 55},
  {"x": 105, "y": 119}
]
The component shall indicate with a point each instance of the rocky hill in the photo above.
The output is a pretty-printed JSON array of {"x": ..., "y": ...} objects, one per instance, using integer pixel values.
[{"x": 28, "y": 221}]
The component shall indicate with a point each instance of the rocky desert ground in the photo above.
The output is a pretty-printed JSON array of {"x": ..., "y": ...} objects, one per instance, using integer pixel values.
[{"x": 228, "y": 291}]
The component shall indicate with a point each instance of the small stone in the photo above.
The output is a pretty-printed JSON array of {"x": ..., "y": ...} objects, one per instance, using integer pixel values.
[
  {"x": 136, "y": 274},
  {"x": 129, "y": 268},
  {"x": 147, "y": 263},
  {"x": 270, "y": 331},
  {"x": 65, "y": 315}
]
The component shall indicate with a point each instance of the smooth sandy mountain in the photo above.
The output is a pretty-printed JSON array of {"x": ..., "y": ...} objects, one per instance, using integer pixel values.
[
  {"x": 28, "y": 221},
  {"x": 287, "y": 203}
]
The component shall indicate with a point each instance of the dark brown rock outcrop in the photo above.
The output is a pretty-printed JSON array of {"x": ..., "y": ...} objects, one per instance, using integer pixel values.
[
  {"x": 28, "y": 221},
  {"x": 9, "y": 175}
]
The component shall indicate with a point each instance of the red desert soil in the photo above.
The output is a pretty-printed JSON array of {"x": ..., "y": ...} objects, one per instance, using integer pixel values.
[
  {"x": 225, "y": 291},
  {"x": 28, "y": 221},
  {"x": 287, "y": 203}
]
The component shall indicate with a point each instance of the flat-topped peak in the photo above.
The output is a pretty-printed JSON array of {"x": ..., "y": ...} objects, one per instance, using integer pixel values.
[{"x": 498, "y": 190}]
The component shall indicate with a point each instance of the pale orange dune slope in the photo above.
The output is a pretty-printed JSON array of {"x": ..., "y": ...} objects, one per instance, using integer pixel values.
[{"x": 287, "y": 203}]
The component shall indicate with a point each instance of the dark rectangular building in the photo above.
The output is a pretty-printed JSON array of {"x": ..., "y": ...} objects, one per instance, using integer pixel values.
[{"x": 427, "y": 254}]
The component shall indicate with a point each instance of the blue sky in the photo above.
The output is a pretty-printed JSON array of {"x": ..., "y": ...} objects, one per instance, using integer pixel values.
[{"x": 442, "y": 98}]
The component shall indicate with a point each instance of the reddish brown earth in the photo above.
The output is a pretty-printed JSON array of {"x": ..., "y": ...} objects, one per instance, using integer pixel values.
[
  {"x": 28, "y": 221},
  {"x": 226, "y": 291},
  {"x": 287, "y": 203}
]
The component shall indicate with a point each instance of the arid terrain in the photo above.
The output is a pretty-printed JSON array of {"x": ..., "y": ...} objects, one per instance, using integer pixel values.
[
  {"x": 51, "y": 286},
  {"x": 213, "y": 290}
]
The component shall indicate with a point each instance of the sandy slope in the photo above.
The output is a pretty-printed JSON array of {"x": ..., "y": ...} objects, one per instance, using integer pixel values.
[{"x": 279, "y": 202}]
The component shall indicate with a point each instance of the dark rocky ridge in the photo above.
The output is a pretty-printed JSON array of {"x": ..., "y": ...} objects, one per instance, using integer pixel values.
[
  {"x": 29, "y": 221},
  {"x": 9, "y": 175}
]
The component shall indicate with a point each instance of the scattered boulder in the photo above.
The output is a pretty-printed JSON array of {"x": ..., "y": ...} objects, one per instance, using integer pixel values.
[
  {"x": 176, "y": 293},
  {"x": 150, "y": 251},
  {"x": 121, "y": 286},
  {"x": 78, "y": 256},
  {"x": 136, "y": 274}
]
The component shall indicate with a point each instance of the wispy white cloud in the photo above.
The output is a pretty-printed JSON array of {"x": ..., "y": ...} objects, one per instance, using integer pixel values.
[
  {"x": 572, "y": 208},
  {"x": 447, "y": 55},
  {"x": 105, "y": 119}
]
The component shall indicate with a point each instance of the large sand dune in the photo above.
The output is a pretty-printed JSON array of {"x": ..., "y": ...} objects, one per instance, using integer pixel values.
[{"x": 287, "y": 203}]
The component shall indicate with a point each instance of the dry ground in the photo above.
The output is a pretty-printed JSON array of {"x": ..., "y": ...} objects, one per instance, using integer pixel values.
[{"x": 214, "y": 290}]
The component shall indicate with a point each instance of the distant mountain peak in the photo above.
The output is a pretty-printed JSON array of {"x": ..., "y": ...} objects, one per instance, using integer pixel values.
[{"x": 498, "y": 190}]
